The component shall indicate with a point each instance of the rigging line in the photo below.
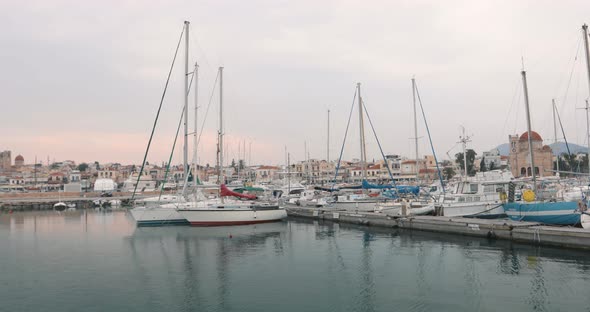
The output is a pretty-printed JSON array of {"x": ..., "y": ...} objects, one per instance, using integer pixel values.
[
  {"x": 564, "y": 99},
  {"x": 577, "y": 50},
  {"x": 563, "y": 133},
  {"x": 378, "y": 143},
  {"x": 172, "y": 152},
  {"x": 207, "y": 111},
  {"x": 344, "y": 141},
  {"x": 510, "y": 109},
  {"x": 196, "y": 42},
  {"x": 158, "y": 114},
  {"x": 517, "y": 111},
  {"x": 430, "y": 139}
]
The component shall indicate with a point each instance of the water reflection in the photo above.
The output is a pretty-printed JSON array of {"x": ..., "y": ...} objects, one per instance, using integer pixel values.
[{"x": 296, "y": 265}]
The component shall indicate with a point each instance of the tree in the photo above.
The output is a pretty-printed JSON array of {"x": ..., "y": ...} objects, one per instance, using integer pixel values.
[
  {"x": 241, "y": 164},
  {"x": 470, "y": 160},
  {"x": 482, "y": 165},
  {"x": 97, "y": 165},
  {"x": 233, "y": 163},
  {"x": 82, "y": 167},
  {"x": 448, "y": 173},
  {"x": 54, "y": 166}
]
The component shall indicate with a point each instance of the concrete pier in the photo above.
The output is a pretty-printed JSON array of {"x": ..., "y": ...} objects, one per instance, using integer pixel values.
[{"x": 527, "y": 232}]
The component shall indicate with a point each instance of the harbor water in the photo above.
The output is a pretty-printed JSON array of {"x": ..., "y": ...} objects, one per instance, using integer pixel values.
[{"x": 100, "y": 261}]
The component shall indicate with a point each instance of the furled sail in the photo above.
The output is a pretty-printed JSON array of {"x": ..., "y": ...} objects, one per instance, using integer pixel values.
[{"x": 227, "y": 192}]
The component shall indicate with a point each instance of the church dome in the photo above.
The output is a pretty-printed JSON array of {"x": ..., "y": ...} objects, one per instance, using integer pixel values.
[
  {"x": 19, "y": 158},
  {"x": 534, "y": 136}
]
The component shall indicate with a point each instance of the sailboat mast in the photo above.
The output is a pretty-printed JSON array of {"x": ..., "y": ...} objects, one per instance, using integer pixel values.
[
  {"x": 195, "y": 137},
  {"x": 555, "y": 134},
  {"x": 416, "y": 126},
  {"x": 328, "y": 140},
  {"x": 362, "y": 135},
  {"x": 221, "y": 177},
  {"x": 185, "y": 150},
  {"x": 528, "y": 124},
  {"x": 587, "y": 52}
]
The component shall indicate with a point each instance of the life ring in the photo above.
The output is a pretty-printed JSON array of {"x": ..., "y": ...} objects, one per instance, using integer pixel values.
[{"x": 528, "y": 195}]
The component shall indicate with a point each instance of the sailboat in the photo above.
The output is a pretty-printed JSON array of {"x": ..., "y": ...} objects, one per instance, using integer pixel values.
[
  {"x": 153, "y": 212},
  {"x": 222, "y": 211},
  {"x": 60, "y": 206},
  {"x": 585, "y": 217},
  {"x": 531, "y": 208}
]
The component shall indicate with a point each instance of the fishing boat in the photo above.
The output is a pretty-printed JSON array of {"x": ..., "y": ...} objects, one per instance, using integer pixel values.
[{"x": 532, "y": 208}]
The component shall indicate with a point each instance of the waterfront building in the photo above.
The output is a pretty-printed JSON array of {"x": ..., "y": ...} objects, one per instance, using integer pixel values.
[
  {"x": 5, "y": 161},
  {"x": 19, "y": 161},
  {"x": 520, "y": 164}
]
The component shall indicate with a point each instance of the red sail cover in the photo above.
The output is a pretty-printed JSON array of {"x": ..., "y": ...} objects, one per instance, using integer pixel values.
[{"x": 227, "y": 192}]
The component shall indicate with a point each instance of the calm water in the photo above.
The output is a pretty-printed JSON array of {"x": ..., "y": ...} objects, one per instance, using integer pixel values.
[{"x": 102, "y": 262}]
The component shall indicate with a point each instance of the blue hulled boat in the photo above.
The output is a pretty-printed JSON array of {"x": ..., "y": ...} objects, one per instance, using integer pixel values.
[{"x": 558, "y": 213}]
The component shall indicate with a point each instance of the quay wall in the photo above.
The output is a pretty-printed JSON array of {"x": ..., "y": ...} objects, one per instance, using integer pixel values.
[{"x": 526, "y": 232}]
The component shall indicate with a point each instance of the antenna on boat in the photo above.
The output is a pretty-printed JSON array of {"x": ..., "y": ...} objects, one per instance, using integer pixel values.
[
  {"x": 464, "y": 139},
  {"x": 185, "y": 150}
]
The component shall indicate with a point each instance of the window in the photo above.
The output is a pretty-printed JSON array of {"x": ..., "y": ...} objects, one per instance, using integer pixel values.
[
  {"x": 473, "y": 188},
  {"x": 488, "y": 188}
]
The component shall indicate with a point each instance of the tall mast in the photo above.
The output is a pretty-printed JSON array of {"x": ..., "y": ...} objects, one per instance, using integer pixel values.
[
  {"x": 587, "y": 52},
  {"x": 195, "y": 137},
  {"x": 416, "y": 126},
  {"x": 220, "y": 175},
  {"x": 328, "y": 143},
  {"x": 555, "y": 134},
  {"x": 528, "y": 124},
  {"x": 185, "y": 151},
  {"x": 362, "y": 134},
  {"x": 288, "y": 173}
]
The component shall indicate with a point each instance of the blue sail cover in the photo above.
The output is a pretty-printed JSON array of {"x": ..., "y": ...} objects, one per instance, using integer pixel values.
[
  {"x": 367, "y": 185},
  {"x": 395, "y": 189},
  {"x": 408, "y": 189}
]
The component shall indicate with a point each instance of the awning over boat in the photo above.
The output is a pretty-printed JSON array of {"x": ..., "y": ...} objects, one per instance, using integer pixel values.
[{"x": 227, "y": 192}]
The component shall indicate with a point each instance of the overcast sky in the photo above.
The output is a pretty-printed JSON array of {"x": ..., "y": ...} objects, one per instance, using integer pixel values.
[{"x": 82, "y": 80}]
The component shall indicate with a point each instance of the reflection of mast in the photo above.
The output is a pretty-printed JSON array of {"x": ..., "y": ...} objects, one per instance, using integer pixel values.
[{"x": 366, "y": 301}]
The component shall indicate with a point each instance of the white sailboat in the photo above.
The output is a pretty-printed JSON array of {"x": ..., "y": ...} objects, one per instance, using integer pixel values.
[
  {"x": 221, "y": 211},
  {"x": 154, "y": 211}
]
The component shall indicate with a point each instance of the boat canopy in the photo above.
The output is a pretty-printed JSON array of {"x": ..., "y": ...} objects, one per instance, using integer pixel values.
[
  {"x": 227, "y": 192},
  {"x": 367, "y": 185}
]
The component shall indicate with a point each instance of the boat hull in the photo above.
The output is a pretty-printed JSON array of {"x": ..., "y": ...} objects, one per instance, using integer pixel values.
[
  {"x": 354, "y": 205},
  {"x": 558, "y": 213},
  {"x": 157, "y": 216},
  {"x": 222, "y": 216},
  {"x": 484, "y": 210}
]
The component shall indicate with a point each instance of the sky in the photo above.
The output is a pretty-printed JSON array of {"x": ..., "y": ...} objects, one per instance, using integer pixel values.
[{"x": 83, "y": 80}]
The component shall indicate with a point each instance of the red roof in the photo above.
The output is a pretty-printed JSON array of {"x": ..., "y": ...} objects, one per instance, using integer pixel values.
[
  {"x": 408, "y": 162},
  {"x": 427, "y": 171},
  {"x": 535, "y": 136}
]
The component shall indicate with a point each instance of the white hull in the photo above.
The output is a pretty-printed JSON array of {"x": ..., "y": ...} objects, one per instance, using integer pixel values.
[
  {"x": 353, "y": 205},
  {"x": 229, "y": 216},
  {"x": 480, "y": 210},
  {"x": 396, "y": 210},
  {"x": 157, "y": 216},
  {"x": 585, "y": 221}
]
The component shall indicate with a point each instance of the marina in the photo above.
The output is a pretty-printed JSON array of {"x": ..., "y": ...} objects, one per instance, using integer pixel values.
[{"x": 294, "y": 156}]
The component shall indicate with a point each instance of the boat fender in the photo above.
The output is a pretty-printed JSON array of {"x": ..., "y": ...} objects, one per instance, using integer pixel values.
[
  {"x": 582, "y": 206},
  {"x": 491, "y": 235},
  {"x": 503, "y": 196},
  {"x": 528, "y": 195}
]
